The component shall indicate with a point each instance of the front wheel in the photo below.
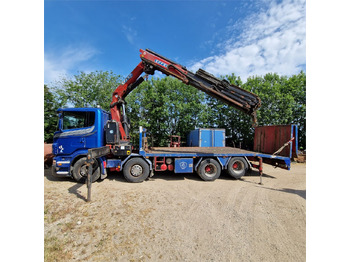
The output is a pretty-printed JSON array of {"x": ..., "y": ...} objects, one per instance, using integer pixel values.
[
  {"x": 209, "y": 169},
  {"x": 136, "y": 170},
  {"x": 80, "y": 170}
]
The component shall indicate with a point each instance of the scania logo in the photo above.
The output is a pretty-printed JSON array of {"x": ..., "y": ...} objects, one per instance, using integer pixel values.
[
  {"x": 183, "y": 165},
  {"x": 61, "y": 148},
  {"x": 161, "y": 63}
]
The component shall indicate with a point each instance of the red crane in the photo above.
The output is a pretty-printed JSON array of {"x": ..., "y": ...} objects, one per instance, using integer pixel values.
[{"x": 151, "y": 61}]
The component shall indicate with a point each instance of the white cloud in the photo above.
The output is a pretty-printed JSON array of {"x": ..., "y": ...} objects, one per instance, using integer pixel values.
[
  {"x": 60, "y": 63},
  {"x": 271, "y": 41},
  {"x": 130, "y": 34}
]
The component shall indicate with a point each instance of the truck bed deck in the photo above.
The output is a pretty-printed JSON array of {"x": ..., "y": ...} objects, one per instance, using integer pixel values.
[
  {"x": 198, "y": 150},
  {"x": 205, "y": 151},
  {"x": 214, "y": 152}
]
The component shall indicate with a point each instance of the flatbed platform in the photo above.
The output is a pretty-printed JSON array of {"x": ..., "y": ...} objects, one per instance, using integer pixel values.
[
  {"x": 223, "y": 152},
  {"x": 196, "y": 151}
]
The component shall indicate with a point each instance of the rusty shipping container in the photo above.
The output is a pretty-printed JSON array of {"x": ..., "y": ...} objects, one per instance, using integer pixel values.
[{"x": 269, "y": 139}]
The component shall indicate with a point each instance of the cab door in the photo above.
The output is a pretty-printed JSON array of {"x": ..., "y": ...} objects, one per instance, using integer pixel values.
[{"x": 76, "y": 131}]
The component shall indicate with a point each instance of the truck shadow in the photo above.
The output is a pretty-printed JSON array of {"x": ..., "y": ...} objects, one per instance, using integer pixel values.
[
  {"x": 161, "y": 175},
  {"x": 113, "y": 175},
  {"x": 171, "y": 176},
  {"x": 47, "y": 174},
  {"x": 301, "y": 193},
  {"x": 166, "y": 175},
  {"x": 256, "y": 173}
]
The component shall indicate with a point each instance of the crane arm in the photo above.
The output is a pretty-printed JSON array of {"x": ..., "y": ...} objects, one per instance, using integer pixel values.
[
  {"x": 117, "y": 106},
  {"x": 231, "y": 94}
]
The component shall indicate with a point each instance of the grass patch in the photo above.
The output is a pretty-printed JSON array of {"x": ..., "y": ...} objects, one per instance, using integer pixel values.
[
  {"x": 68, "y": 227},
  {"x": 53, "y": 214},
  {"x": 53, "y": 250}
]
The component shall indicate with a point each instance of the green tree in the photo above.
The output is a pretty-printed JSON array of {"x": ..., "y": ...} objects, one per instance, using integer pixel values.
[
  {"x": 283, "y": 100},
  {"x": 88, "y": 89},
  {"x": 297, "y": 88},
  {"x": 50, "y": 116},
  {"x": 165, "y": 107}
]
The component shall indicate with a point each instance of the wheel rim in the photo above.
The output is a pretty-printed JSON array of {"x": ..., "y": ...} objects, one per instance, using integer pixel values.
[
  {"x": 136, "y": 170},
  {"x": 210, "y": 170},
  {"x": 84, "y": 171},
  {"x": 238, "y": 166}
]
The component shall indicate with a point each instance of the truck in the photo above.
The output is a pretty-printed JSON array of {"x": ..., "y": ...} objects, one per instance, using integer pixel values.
[{"x": 93, "y": 136}]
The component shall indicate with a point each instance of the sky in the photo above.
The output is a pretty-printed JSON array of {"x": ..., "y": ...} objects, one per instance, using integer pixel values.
[{"x": 244, "y": 37}]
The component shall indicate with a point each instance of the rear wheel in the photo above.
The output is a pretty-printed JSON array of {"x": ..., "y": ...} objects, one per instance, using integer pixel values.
[
  {"x": 136, "y": 170},
  {"x": 209, "y": 169},
  {"x": 237, "y": 167},
  {"x": 80, "y": 170}
]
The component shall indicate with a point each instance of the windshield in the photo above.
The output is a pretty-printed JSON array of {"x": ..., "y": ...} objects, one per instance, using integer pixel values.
[{"x": 73, "y": 120}]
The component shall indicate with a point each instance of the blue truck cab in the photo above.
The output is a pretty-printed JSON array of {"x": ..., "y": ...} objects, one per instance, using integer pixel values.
[{"x": 78, "y": 130}]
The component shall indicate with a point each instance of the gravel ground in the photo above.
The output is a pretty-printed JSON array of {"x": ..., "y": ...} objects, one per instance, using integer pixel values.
[{"x": 178, "y": 217}]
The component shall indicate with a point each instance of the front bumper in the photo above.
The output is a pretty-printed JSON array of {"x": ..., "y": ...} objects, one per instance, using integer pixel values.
[{"x": 60, "y": 168}]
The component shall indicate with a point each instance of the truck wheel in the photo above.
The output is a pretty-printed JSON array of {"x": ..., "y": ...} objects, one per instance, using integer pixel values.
[
  {"x": 80, "y": 170},
  {"x": 237, "y": 167},
  {"x": 136, "y": 170},
  {"x": 209, "y": 169}
]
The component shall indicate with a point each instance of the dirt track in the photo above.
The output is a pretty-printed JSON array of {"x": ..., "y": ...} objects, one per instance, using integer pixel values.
[{"x": 178, "y": 217}]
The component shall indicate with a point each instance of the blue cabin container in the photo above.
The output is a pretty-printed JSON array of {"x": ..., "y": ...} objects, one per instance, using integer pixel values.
[{"x": 206, "y": 137}]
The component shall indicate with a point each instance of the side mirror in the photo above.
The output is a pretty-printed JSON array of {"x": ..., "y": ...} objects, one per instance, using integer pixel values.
[{"x": 60, "y": 122}]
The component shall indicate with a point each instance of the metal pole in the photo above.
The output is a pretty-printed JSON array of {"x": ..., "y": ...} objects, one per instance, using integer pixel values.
[
  {"x": 90, "y": 162},
  {"x": 260, "y": 169}
]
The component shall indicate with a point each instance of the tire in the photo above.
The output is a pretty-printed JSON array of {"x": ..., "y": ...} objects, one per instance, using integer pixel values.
[
  {"x": 209, "y": 169},
  {"x": 80, "y": 170},
  {"x": 136, "y": 170},
  {"x": 237, "y": 167}
]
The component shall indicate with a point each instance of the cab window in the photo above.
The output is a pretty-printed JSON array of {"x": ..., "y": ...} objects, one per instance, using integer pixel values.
[{"x": 73, "y": 120}]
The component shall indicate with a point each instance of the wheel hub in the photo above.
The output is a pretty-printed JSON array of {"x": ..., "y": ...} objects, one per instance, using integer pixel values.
[
  {"x": 136, "y": 170},
  {"x": 210, "y": 170},
  {"x": 237, "y": 166},
  {"x": 83, "y": 170}
]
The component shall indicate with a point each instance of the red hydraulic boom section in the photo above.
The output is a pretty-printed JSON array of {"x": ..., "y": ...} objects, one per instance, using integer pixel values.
[{"x": 151, "y": 61}]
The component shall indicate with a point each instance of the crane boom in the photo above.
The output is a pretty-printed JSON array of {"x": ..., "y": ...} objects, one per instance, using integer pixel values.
[{"x": 231, "y": 94}]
